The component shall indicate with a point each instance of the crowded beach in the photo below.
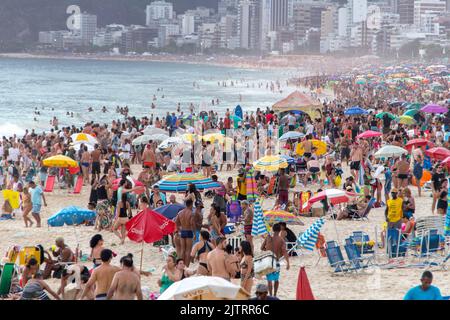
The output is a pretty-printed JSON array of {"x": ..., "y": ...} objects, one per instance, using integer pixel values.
[{"x": 337, "y": 191}]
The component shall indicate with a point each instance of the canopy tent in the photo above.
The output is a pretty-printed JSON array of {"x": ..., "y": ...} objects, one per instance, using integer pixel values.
[{"x": 299, "y": 101}]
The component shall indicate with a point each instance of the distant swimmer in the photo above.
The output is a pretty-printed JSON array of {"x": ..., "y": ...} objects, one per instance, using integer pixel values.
[
  {"x": 104, "y": 109},
  {"x": 35, "y": 119},
  {"x": 162, "y": 97},
  {"x": 240, "y": 97},
  {"x": 178, "y": 107},
  {"x": 154, "y": 98},
  {"x": 153, "y": 106},
  {"x": 217, "y": 101},
  {"x": 90, "y": 109},
  {"x": 67, "y": 113},
  {"x": 212, "y": 101},
  {"x": 71, "y": 114},
  {"x": 157, "y": 90}
]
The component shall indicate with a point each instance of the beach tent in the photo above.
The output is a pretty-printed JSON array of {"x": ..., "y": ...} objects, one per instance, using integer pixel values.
[
  {"x": 238, "y": 112},
  {"x": 302, "y": 102}
]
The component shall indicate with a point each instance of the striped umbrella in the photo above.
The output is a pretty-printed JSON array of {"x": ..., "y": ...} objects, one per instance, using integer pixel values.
[
  {"x": 308, "y": 238},
  {"x": 180, "y": 181},
  {"x": 275, "y": 216},
  {"x": 270, "y": 163},
  {"x": 259, "y": 227},
  {"x": 250, "y": 182}
]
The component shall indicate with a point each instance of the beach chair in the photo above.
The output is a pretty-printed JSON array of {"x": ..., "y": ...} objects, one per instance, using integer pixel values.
[
  {"x": 395, "y": 247},
  {"x": 363, "y": 238},
  {"x": 234, "y": 211},
  {"x": 7, "y": 274},
  {"x": 235, "y": 242},
  {"x": 354, "y": 256},
  {"x": 336, "y": 259},
  {"x": 365, "y": 214},
  {"x": 425, "y": 224},
  {"x": 78, "y": 185},
  {"x": 273, "y": 186},
  {"x": 49, "y": 184}
]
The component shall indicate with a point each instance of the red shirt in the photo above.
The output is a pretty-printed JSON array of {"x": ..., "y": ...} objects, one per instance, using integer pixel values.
[
  {"x": 269, "y": 117},
  {"x": 227, "y": 123}
]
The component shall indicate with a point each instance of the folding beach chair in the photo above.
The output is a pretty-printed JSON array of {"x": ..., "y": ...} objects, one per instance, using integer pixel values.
[
  {"x": 235, "y": 242},
  {"x": 336, "y": 259},
  {"x": 363, "y": 238},
  {"x": 49, "y": 184},
  {"x": 6, "y": 277},
  {"x": 425, "y": 224},
  {"x": 395, "y": 247},
  {"x": 354, "y": 256},
  {"x": 365, "y": 214}
]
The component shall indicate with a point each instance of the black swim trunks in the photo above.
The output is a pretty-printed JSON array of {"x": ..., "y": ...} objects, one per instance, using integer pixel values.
[{"x": 355, "y": 165}]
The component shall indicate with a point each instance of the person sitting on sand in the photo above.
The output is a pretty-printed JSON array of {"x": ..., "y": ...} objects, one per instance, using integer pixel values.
[
  {"x": 169, "y": 274},
  {"x": 34, "y": 289},
  {"x": 31, "y": 268},
  {"x": 76, "y": 274},
  {"x": 63, "y": 255},
  {"x": 182, "y": 271},
  {"x": 7, "y": 210}
]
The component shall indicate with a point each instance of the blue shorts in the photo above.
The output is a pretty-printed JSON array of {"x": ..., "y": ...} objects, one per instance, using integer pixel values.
[
  {"x": 36, "y": 208},
  {"x": 274, "y": 276}
]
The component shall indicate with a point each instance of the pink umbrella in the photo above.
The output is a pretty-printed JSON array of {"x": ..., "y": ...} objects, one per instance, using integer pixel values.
[
  {"x": 447, "y": 162},
  {"x": 434, "y": 108},
  {"x": 438, "y": 153},
  {"x": 369, "y": 134},
  {"x": 134, "y": 182},
  {"x": 335, "y": 196}
]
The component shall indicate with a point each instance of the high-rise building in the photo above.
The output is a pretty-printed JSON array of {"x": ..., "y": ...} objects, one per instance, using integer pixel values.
[
  {"x": 266, "y": 11},
  {"x": 159, "y": 10},
  {"x": 343, "y": 22},
  {"x": 425, "y": 10},
  {"x": 139, "y": 39},
  {"x": 406, "y": 11},
  {"x": 188, "y": 24},
  {"x": 279, "y": 14},
  {"x": 328, "y": 21},
  {"x": 87, "y": 24},
  {"x": 358, "y": 9},
  {"x": 301, "y": 20},
  {"x": 249, "y": 24}
]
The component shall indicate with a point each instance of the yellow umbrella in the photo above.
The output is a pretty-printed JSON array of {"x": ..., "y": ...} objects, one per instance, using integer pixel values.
[
  {"x": 212, "y": 137},
  {"x": 60, "y": 162},
  {"x": 406, "y": 120},
  {"x": 189, "y": 137},
  {"x": 270, "y": 163},
  {"x": 84, "y": 137},
  {"x": 321, "y": 147}
]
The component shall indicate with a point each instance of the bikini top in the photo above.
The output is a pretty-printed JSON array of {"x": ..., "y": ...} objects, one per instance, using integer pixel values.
[{"x": 203, "y": 249}]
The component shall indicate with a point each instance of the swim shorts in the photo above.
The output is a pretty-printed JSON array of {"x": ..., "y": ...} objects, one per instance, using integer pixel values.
[
  {"x": 186, "y": 234},
  {"x": 355, "y": 165},
  {"x": 274, "y": 276},
  {"x": 36, "y": 208}
]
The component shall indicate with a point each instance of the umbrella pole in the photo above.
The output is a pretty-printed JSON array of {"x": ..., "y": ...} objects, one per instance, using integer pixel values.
[{"x": 142, "y": 255}]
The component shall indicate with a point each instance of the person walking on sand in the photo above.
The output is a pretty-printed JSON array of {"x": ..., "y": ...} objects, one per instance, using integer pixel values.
[
  {"x": 126, "y": 284},
  {"x": 36, "y": 195},
  {"x": 277, "y": 245},
  {"x": 26, "y": 207},
  {"x": 102, "y": 277},
  {"x": 124, "y": 209},
  {"x": 186, "y": 225}
]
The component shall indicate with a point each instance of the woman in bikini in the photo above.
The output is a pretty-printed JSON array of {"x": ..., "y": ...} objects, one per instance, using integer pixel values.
[
  {"x": 85, "y": 163},
  {"x": 200, "y": 251},
  {"x": 26, "y": 207},
  {"x": 247, "y": 272},
  {"x": 96, "y": 245},
  {"x": 124, "y": 212}
]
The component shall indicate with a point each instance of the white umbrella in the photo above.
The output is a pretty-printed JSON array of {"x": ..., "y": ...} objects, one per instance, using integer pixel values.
[
  {"x": 159, "y": 137},
  {"x": 170, "y": 143},
  {"x": 291, "y": 135},
  {"x": 77, "y": 146},
  {"x": 144, "y": 139},
  {"x": 390, "y": 151},
  {"x": 150, "y": 130},
  {"x": 203, "y": 288},
  {"x": 84, "y": 138}
]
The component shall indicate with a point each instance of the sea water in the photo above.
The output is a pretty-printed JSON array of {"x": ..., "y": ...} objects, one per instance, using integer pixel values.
[{"x": 58, "y": 86}]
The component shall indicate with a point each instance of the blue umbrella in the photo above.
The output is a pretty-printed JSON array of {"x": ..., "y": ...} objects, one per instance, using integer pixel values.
[
  {"x": 289, "y": 159},
  {"x": 170, "y": 211},
  {"x": 259, "y": 226},
  {"x": 71, "y": 215},
  {"x": 355, "y": 111},
  {"x": 308, "y": 238}
]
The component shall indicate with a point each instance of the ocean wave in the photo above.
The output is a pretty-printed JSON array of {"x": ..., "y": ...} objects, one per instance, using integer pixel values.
[{"x": 9, "y": 129}]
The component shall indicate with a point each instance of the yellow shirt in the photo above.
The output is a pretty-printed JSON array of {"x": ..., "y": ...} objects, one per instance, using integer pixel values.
[
  {"x": 395, "y": 212},
  {"x": 242, "y": 186}
]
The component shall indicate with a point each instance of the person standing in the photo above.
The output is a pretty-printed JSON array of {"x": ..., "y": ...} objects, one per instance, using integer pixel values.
[
  {"x": 186, "y": 226},
  {"x": 246, "y": 266},
  {"x": 126, "y": 284},
  {"x": 283, "y": 188},
  {"x": 277, "y": 245},
  {"x": 425, "y": 291},
  {"x": 217, "y": 260},
  {"x": 394, "y": 210},
  {"x": 247, "y": 215},
  {"x": 36, "y": 195},
  {"x": 96, "y": 158}
]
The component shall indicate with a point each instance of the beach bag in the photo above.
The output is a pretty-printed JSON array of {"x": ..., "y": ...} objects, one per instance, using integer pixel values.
[
  {"x": 234, "y": 211},
  {"x": 265, "y": 264},
  {"x": 338, "y": 181}
]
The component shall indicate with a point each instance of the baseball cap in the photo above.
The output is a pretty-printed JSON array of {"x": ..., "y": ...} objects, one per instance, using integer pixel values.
[{"x": 261, "y": 287}]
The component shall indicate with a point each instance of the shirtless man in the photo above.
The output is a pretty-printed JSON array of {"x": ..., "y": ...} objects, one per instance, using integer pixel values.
[
  {"x": 277, "y": 245},
  {"x": 217, "y": 260},
  {"x": 102, "y": 276},
  {"x": 248, "y": 221},
  {"x": 186, "y": 224},
  {"x": 356, "y": 157},
  {"x": 95, "y": 158},
  {"x": 307, "y": 146},
  {"x": 283, "y": 188},
  {"x": 402, "y": 167},
  {"x": 149, "y": 158},
  {"x": 126, "y": 284}
]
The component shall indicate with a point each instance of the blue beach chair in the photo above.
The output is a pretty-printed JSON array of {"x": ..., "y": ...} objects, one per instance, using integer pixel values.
[
  {"x": 335, "y": 258},
  {"x": 354, "y": 256},
  {"x": 362, "y": 237}
]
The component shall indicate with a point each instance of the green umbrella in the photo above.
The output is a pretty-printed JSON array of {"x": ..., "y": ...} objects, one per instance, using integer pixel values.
[
  {"x": 411, "y": 112},
  {"x": 381, "y": 115},
  {"x": 414, "y": 105}
]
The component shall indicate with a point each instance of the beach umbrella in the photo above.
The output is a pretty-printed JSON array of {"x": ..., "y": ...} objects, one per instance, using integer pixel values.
[
  {"x": 446, "y": 162},
  {"x": 304, "y": 291},
  {"x": 180, "y": 181},
  {"x": 144, "y": 139},
  {"x": 406, "y": 120},
  {"x": 319, "y": 145},
  {"x": 447, "y": 216},
  {"x": 151, "y": 130},
  {"x": 134, "y": 183},
  {"x": 204, "y": 288},
  {"x": 418, "y": 143},
  {"x": 250, "y": 182},
  {"x": 361, "y": 81},
  {"x": 189, "y": 137},
  {"x": 411, "y": 112},
  {"x": 390, "y": 151},
  {"x": 71, "y": 216},
  {"x": 149, "y": 226},
  {"x": 60, "y": 161},
  {"x": 291, "y": 135},
  {"x": 434, "y": 108},
  {"x": 170, "y": 211},
  {"x": 369, "y": 134},
  {"x": 289, "y": 159},
  {"x": 396, "y": 103},
  {"x": 334, "y": 196},
  {"x": 381, "y": 115},
  {"x": 414, "y": 105},
  {"x": 212, "y": 137},
  {"x": 275, "y": 216},
  {"x": 354, "y": 111},
  {"x": 77, "y": 146},
  {"x": 438, "y": 153},
  {"x": 270, "y": 163},
  {"x": 258, "y": 227},
  {"x": 84, "y": 137},
  {"x": 169, "y": 143},
  {"x": 308, "y": 238}
]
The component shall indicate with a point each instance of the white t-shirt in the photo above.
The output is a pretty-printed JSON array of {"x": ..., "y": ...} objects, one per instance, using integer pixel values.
[
  {"x": 126, "y": 148},
  {"x": 14, "y": 154},
  {"x": 309, "y": 128}
]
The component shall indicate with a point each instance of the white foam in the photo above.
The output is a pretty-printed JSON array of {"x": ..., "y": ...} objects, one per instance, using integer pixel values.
[{"x": 9, "y": 129}]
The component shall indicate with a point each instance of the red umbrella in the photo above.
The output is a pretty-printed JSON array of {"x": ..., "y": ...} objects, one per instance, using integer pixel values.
[
  {"x": 438, "y": 153},
  {"x": 149, "y": 226},
  {"x": 304, "y": 291},
  {"x": 447, "y": 162},
  {"x": 369, "y": 134},
  {"x": 134, "y": 182},
  {"x": 335, "y": 196},
  {"x": 418, "y": 143}
]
